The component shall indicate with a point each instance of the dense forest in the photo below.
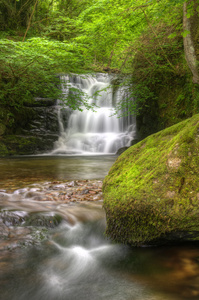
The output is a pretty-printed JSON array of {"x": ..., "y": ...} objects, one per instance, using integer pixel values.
[{"x": 153, "y": 44}]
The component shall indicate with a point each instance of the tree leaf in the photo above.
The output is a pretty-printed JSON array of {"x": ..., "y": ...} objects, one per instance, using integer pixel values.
[
  {"x": 185, "y": 33},
  {"x": 172, "y": 35}
]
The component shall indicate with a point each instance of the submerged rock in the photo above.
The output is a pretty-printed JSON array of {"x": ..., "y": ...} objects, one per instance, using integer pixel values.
[
  {"x": 48, "y": 220},
  {"x": 151, "y": 194}
]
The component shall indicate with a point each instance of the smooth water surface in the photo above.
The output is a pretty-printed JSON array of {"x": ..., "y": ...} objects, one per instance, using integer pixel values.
[{"x": 30, "y": 169}]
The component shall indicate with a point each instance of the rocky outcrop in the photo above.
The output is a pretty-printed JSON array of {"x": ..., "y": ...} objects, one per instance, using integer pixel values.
[
  {"x": 151, "y": 194},
  {"x": 43, "y": 126},
  {"x": 34, "y": 130}
]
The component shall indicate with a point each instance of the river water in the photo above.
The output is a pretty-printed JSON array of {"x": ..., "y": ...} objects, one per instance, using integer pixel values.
[
  {"x": 52, "y": 244},
  {"x": 17, "y": 171}
]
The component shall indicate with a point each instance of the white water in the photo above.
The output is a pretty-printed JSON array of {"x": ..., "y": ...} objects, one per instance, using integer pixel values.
[
  {"x": 72, "y": 261},
  {"x": 93, "y": 132}
]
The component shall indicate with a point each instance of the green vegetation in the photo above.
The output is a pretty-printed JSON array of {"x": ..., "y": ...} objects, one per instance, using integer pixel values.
[
  {"x": 148, "y": 44},
  {"x": 29, "y": 69},
  {"x": 145, "y": 42},
  {"x": 143, "y": 39},
  {"x": 152, "y": 189}
]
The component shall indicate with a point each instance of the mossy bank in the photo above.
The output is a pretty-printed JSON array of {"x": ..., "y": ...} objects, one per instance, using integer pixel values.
[{"x": 151, "y": 194}]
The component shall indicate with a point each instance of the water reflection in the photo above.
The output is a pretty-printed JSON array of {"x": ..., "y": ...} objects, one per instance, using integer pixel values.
[{"x": 32, "y": 169}]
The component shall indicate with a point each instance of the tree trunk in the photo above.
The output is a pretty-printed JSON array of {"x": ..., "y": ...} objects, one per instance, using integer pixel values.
[{"x": 189, "y": 49}]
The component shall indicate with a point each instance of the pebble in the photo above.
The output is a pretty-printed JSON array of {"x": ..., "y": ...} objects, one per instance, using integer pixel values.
[
  {"x": 61, "y": 191},
  {"x": 92, "y": 192}
]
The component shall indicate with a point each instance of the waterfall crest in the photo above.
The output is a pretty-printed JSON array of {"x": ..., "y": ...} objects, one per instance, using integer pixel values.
[{"x": 89, "y": 132}]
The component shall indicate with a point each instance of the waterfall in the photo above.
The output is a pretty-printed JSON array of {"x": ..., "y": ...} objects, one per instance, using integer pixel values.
[{"x": 93, "y": 132}]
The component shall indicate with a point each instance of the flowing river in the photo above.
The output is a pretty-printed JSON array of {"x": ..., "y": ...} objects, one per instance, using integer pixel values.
[{"x": 53, "y": 246}]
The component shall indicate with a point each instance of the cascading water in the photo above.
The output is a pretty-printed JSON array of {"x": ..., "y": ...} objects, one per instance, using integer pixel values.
[{"x": 93, "y": 132}]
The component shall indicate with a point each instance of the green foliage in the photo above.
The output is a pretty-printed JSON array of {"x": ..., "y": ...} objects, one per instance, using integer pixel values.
[
  {"x": 57, "y": 19},
  {"x": 61, "y": 28},
  {"x": 112, "y": 29},
  {"x": 28, "y": 70},
  {"x": 141, "y": 38},
  {"x": 185, "y": 33},
  {"x": 14, "y": 14}
]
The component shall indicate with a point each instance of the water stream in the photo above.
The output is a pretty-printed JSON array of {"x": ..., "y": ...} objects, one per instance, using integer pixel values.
[{"x": 52, "y": 244}]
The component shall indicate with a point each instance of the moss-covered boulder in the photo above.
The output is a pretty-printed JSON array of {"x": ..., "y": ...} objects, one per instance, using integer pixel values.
[{"x": 151, "y": 194}]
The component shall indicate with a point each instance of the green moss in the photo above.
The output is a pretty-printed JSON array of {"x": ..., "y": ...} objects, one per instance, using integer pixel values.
[
  {"x": 2, "y": 129},
  {"x": 152, "y": 189},
  {"x": 19, "y": 145},
  {"x": 3, "y": 149}
]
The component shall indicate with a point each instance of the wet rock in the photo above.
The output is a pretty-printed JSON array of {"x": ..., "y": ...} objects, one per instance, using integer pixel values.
[
  {"x": 72, "y": 183},
  {"x": 4, "y": 230},
  {"x": 4, "y": 196},
  {"x": 121, "y": 150},
  {"x": 97, "y": 198},
  {"x": 45, "y": 207},
  {"x": 20, "y": 191},
  {"x": 32, "y": 195},
  {"x": 12, "y": 218},
  {"x": 56, "y": 191},
  {"x": 36, "y": 131},
  {"x": 92, "y": 192},
  {"x": 59, "y": 186},
  {"x": 47, "y": 220},
  {"x": 84, "y": 192}
]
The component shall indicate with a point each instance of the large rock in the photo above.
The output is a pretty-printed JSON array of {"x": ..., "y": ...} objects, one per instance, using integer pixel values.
[{"x": 151, "y": 194}]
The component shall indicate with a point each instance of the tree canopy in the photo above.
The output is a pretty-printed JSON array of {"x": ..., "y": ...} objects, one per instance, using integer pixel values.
[{"x": 40, "y": 39}]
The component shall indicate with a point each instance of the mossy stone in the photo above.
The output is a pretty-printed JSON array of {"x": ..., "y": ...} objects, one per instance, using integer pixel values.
[{"x": 152, "y": 190}]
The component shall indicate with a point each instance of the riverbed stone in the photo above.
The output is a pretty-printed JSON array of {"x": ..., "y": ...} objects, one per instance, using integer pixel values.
[
  {"x": 44, "y": 206},
  {"x": 151, "y": 191}
]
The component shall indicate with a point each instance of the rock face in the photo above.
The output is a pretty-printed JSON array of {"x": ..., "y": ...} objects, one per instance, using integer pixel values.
[
  {"x": 151, "y": 194},
  {"x": 35, "y": 130}
]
